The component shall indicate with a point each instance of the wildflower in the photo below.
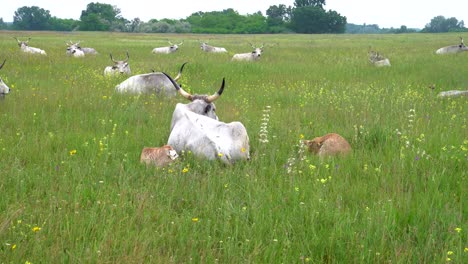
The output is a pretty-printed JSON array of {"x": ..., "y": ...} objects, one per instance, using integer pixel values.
[
  {"x": 296, "y": 189},
  {"x": 458, "y": 229},
  {"x": 243, "y": 150},
  {"x": 244, "y": 208},
  {"x": 301, "y": 136},
  {"x": 448, "y": 259},
  {"x": 465, "y": 250},
  {"x": 185, "y": 170},
  {"x": 72, "y": 152},
  {"x": 104, "y": 97},
  {"x": 195, "y": 219},
  {"x": 323, "y": 181},
  {"x": 36, "y": 229},
  {"x": 13, "y": 247},
  {"x": 312, "y": 167},
  {"x": 220, "y": 154},
  {"x": 449, "y": 252},
  {"x": 27, "y": 262}
]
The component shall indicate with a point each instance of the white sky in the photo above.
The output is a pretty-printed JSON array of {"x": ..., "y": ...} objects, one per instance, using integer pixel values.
[{"x": 385, "y": 13}]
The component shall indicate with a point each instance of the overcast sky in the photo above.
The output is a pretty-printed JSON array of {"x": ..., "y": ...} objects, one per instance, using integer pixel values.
[{"x": 385, "y": 13}]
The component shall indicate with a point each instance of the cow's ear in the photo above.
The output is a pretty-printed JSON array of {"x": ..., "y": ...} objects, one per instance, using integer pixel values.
[{"x": 207, "y": 109}]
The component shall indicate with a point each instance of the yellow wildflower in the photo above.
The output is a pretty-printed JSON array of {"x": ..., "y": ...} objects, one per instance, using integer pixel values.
[
  {"x": 301, "y": 136},
  {"x": 220, "y": 154},
  {"x": 243, "y": 150},
  {"x": 13, "y": 247},
  {"x": 458, "y": 229},
  {"x": 195, "y": 219},
  {"x": 72, "y": 152},
  {"x": 36, "y": 229},
  {"x": 185, "y": 170},
  {"x": 449, "y": 252}
]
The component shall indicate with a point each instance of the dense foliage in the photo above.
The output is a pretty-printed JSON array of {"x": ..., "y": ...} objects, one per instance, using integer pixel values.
[{"x": 305, "y": 16}]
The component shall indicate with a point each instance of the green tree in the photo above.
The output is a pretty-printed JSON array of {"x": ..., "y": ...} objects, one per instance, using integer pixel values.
[
  {"x": 100, "y": 17},
  {"x": 3, "y": 25},
  {"x": 278, "y": 17},
  {"x": 59, "y": 24},
  {"x": 441, "y": 24},
  {"x": 31, "y": 18},
  {"x": 312, "y": 19},
  {"x": 304, "y": 3}
]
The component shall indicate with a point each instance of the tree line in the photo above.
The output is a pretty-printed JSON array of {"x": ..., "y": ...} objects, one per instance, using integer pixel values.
[{"x": 306, "y": 16}]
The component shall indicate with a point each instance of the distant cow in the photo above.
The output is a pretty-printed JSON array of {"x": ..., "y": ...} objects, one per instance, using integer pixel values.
[
  {"x": 27, "y": 49},
  {"x": 453, "y": 49},
  {"x": 75, "y": 51},
  {"x": 120, "y": 67},
  {"x": 378, "y": 60},
  {"x": 166, "y": 50},
  {"x": 453, "y": 93},
  {"x": 329, "y": 145},
  {"x": 208, "y": 48},
  {"x": 4, "y": 89},
  {"x": 71, "y": 46},
  {"x": 251, "y": 56},
  {"x": 155, "y": 82},
  {"x": 195, "y": 127},
  {"x": 159, "y": 157}
]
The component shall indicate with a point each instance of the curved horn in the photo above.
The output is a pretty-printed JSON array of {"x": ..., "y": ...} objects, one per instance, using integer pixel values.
[
  {"x": 170, "y": 43},
  {"x": 180, "y": 43},
  {"x": 252, "y": 45},
  {"x": 112, "y": 58},
  {"x": 28, "y": 40},
  {"x": 1, "y": 66},
  {"x": 178, "y": 88},
  {"x": 263, "y": 44},
  {"x": 180, "y": 72},
  {"x": 128, "y": 57},
  {"x": 215, "y": 96},
  {"x": 17, "y": 39}
]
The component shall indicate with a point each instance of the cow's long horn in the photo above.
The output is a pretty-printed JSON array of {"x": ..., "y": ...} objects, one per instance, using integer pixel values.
[
  {"x": 17, "y": 39},
  {"x": 128, "y": 57},
  {"x": 28, "y": 40},
  {"x": 180, "y": 72},
  {"x": 112, "y": 58},
  {"x": 170, "y": 43},
  {"x": 1, "y": 66},
  {"x": 263, "y": 44},
  {"x": 215, "y": 96},
  {"x": 179, "y": 89},
  {"x": 180, "y": 43},
  {"x": 252, "y": 45}
]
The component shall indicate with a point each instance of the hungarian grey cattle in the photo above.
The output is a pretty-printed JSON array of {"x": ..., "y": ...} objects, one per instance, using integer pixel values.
[
  {"x": 453, "y": 93},
  {"x": 76, "y": 46},
  {"x": 4, "y": 89},
  {"x": 453, "y": 49},
  {"x": 120, "y": 67},
  {"x": 155, "y": 82},
  {"x": 158, "y": 157},
  {"x": 208, "y": 48},
  {"x": 166, "y": 50},
  {"x": 251, "y": 56},
  {"x": 75, "y": 51},
  {"x": 378, "y": 60},
  {"x": 329, "y": 145},
  {"x": 195, "y": 128},
  {"x": 27, "y": 49}
]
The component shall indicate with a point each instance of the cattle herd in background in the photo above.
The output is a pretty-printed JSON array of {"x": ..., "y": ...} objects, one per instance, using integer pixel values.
[{"x": 195, "y": 127}]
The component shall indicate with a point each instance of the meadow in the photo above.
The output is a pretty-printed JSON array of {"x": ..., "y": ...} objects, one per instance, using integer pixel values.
[{"x": 73, "y": 191}]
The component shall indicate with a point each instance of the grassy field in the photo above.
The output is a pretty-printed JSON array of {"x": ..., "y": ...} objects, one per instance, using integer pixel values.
[{"x": 73, "y": 190}]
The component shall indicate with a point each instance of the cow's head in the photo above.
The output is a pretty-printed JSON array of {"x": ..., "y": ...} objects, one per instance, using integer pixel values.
[
  {"x": 22, "y": 43},
  {"x": 4, "y": 89},
  {"x": 462, "y": 45},
  {"x": 375, "y": 56},
  {"x": 257, "y": 52},
  {"x": 120, "y": 66},
  {"x": 200, "y": 104},
  {"x": 174, "y": 47}
]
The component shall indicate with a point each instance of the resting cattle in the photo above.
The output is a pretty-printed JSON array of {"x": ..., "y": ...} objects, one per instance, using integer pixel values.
[
  {"x": 120, "y": 67},
  {"x": 453, "y": 49},
  {"x": 329, "y": 145},
  {"x": 4, "y": 89},
  {"x": 378, "y": 60},
  {"x": 159, "y": 157},
  {"x": 251, "y": 56},
  {"x": 27, "y": 49},
  {"x": 453, "y": 93},
  {"x": 207, "y": 48},
  {"x": 155, "y": 82},
  {"x": 195, "y": 128},
  {"x": 71, "y": 46},
  {"x": 166, "y": 50}
]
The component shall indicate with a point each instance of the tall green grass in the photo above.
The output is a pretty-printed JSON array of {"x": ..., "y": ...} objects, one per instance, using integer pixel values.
[{"x": 73, "y": 190}]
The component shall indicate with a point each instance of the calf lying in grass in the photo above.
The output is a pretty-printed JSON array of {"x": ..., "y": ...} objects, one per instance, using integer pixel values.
[
  {"x": 329, "y": 145},
  {"x": 159, "y": 157}
]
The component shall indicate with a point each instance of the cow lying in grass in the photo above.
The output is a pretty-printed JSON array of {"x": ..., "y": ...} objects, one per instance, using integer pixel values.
[
  {"x": 4, "y": 89},
  {"x": 329, "y": 145},
  {"x": 378, "y": 60}
]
